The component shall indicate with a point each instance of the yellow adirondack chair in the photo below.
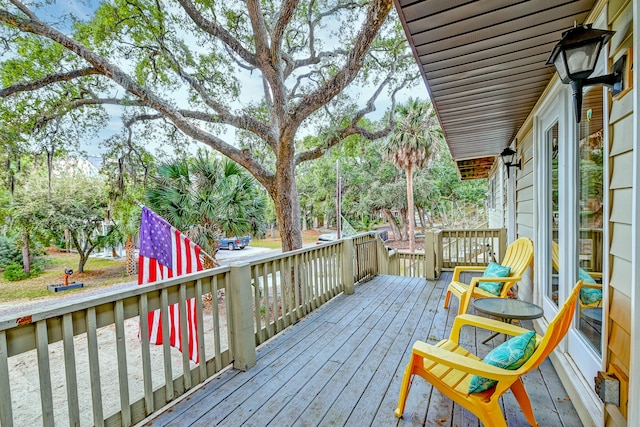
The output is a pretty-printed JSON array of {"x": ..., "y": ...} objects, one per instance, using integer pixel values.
[
  {"x": 518, "y": 257},
  {"x": 555, "y": 262},
  {"x": 450, "y": 367}
]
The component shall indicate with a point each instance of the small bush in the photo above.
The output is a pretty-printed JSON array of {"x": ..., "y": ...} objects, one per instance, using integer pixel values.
[
  {"x": 9, "y": 252},
  {"x": 14, "y": 272}
]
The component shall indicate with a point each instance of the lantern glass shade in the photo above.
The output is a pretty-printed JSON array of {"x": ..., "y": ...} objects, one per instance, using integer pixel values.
[
  {"x": 576, "y": 55},
  {"x": 508, "y": 156}
]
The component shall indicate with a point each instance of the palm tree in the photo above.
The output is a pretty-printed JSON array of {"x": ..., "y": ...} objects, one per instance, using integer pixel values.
[
  {"x": 206, "y": 197},
  {"x": 411, "y": 145}
]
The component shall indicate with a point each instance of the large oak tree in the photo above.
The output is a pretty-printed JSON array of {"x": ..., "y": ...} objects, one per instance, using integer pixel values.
[{"x": 268, "y": 71}]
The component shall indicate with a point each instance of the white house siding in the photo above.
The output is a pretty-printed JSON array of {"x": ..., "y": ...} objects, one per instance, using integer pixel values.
[
  {"x": 620, "y": 15},
  {"x": 497, "y": 201},
  {"x": 524, "y": 206}
]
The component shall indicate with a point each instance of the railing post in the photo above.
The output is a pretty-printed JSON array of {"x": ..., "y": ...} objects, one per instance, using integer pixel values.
[
  {"x": 502, "y": 244},
  {"x": 382, "y": 255},
  {"x": 429, "y": 256},
  {"x": 241, "y": 310},
  {"x": 347, "y": 265},
  {"x": 439, "y": 251}
]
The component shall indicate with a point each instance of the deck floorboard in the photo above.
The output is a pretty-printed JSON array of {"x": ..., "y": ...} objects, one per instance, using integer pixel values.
[{"x": 343, "y": 364}]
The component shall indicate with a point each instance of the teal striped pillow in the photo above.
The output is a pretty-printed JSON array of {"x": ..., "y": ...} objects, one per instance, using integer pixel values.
[
  {"x": 494, "y": 270},
  {"x": 509, "y": 355}
]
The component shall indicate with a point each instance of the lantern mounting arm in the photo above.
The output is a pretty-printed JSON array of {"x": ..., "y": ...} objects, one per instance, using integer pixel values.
[{"x": 613, "y": 81}]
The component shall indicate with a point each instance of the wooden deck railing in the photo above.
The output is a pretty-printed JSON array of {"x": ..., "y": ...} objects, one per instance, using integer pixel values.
[
  {"x": 61, "y": 358},
  {"x": 70, "y": 359},
  {"x": 445, "y": 249}
]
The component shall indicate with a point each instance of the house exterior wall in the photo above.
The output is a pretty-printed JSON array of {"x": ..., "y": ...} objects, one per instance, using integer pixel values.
[
  {"x": 621, "y": 147},
  {"x": 619, "y": 262}
]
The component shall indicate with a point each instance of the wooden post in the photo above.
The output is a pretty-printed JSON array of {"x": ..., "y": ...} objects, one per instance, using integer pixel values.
[
  {"x": 382, "y": 256},
  {"x": 502, "y": 244},
  {"x": 241, "y": 311},
  {"x": 438, "y": 251},
  {"x": 429, "y": 255},
  {"x": 347, "y": 265}
]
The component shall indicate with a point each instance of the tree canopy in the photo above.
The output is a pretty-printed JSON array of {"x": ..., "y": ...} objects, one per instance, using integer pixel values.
[{"x": 266, "y": 71}]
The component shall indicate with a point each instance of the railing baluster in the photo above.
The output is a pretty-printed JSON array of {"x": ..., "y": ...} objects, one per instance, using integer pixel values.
[
  {"x": 44, "y": 371},
  {"x": 6, "y": 411},
  {"x": 123, "y": 375},
  {"x": 146, "y": 355},
  {"x": 166, "y": 350},
  {"x": 267, "y": 302},
  {"x": 94, "y": 367},
  {"x": 70, "y": 370},
  {"x": 257, "y": 305},
  {"x": 202, "y": 367},
  {"x": 216, "y": 323},
  {"x": 184, "y": 335}
]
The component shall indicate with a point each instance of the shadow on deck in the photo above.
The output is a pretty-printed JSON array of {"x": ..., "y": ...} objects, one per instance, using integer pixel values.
[{"x": 342, "y": 365}]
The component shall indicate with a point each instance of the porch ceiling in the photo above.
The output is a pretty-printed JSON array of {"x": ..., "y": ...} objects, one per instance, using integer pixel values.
[{"x": 483, "y": 62}]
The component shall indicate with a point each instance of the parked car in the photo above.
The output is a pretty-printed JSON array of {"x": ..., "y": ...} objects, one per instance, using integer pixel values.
[
  {"x": 327, "y": 237},
  {"x": 232, "y": 243}
]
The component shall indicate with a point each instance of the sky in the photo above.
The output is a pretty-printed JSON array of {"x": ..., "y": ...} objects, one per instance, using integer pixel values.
[{"x": 251, "y": 82}]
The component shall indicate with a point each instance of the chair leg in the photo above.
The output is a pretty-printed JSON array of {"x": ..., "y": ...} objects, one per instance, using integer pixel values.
[
  {"x": 447, "y": 297},
  {"x": 465, "y": 299},
  {"x": 404, "y": 388},
  {"x": 520, "y": 393},
  {"x": 492, "y": 416}
]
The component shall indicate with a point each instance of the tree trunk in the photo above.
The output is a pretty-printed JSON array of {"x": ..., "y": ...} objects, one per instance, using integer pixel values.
[
  {"x": 83, "y": 260},
  {"x": 288, "y": 206},
  {"x": 411, "y": 212},
  {"x": 392, "y": 223},
  {"x": 26, "y": 253},
  {"x": 405, "y": 231}
]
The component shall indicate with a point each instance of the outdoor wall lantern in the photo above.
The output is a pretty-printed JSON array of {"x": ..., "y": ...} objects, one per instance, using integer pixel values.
[
  {"x": 508, "y": 158},
  {"x": 575, "y": 58}
]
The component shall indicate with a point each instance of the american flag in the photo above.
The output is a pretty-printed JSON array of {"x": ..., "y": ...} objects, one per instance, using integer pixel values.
[{"x": 164, "y": 253}]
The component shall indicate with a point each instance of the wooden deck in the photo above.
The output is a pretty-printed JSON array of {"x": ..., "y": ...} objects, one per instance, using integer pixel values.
[{"x": 342, "y": 365}]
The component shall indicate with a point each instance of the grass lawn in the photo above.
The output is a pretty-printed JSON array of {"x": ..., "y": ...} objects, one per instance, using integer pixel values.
[{"x": 98, "y": 273}]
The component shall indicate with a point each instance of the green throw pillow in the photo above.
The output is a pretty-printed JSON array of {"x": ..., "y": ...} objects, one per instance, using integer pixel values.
[
  {"x": 509, "y": 355},
  {"x": 494, "y": 270},
  {"x": 588, "y": 295},
  {"x": 585, "y": 277}
]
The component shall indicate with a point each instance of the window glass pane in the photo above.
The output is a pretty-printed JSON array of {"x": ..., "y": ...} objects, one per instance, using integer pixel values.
[
  {"x": 552, "y": 140},
  {"x": 591, "y": 215}
]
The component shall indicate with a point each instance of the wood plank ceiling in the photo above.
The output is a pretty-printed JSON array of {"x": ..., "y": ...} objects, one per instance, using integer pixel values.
[{"x": 483, "y": 62}]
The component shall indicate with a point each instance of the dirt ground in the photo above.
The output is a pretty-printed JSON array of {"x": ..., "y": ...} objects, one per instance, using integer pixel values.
[{"x": 23, "y": 372}]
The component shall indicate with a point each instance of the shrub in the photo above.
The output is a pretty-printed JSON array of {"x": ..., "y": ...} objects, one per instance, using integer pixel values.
[
  {"x": 14, "y": 272},
  {"x": 9, "y": 252}
]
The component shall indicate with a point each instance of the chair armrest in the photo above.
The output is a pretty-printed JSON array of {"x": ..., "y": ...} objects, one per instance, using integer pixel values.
[
  {"x": 460, "y": 362},
  {"x": 592, "y": 285},
  {"x": 476, "y": 280},
  {"x": 484, "y": 323},
  {"x": 460, "y": 268}
]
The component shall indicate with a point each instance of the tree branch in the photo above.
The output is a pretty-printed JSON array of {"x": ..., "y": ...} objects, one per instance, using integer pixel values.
[
  {"x": 150, "y": 99},
  {"x": 218, "y": 32},
  {"x": 353, "y": 129},
  {"x": 53, "y": 78},
  {"x": 376, "y": 16}
]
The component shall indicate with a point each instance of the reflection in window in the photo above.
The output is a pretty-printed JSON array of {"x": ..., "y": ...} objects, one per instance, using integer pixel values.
[
  {"x": 552, "y": 140},
  {"x": 591, "y": 215}
]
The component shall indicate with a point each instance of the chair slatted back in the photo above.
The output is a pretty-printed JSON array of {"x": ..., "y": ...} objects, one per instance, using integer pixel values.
[
  {"x": 556, "y": 330},
  {"x": 518, "y": 256},
  {"x": 555, "y": 256}
]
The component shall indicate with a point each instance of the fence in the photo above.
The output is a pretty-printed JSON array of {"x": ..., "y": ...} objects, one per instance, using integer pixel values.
[{"x": 85, "y": 363}]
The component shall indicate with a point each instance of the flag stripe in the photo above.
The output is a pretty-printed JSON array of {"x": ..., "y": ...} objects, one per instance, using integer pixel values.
[{"x": 184, "y": 258}]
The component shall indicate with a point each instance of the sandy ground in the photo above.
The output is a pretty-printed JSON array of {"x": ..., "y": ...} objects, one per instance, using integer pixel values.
[{"x": 23, "y": 374}]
